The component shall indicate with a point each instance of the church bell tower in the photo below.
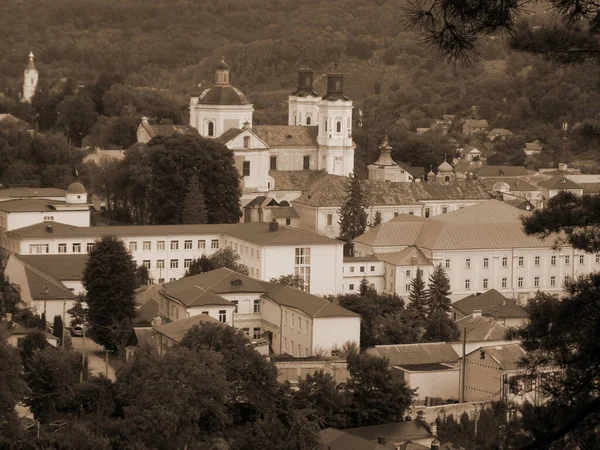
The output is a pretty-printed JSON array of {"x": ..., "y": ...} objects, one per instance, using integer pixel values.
[{"x": 30, "y": 80}]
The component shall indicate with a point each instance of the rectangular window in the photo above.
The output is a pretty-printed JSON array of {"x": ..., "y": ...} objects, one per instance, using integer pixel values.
[
  {"x": 247, "y": 331},
  {"x": 372, "y": 268},
  {"x": 351, "y": 286},
  {"x": 76, "y": 248},
  {"x": 408, "y": 273},
  {"x": 581, "y": 259},
  {"x": 407, "y": 287},
  {"x": 565, "y": 279},
  {"x": 486, "y": 262},
  {"x": 504, "y": 261},
  {"x": 285, "y": 318},
  {"x": 362, "y": 268},
  {"x": 536, "y": 261},
  {"x": 427, "y": 212},
  {"x": 447, "y": 264},
  {"x": 252, "y": 253},
  {"x": 160, "y": 245},
  {"x": 553, "y": 260},
  {"x": 202, "y": 245},
  {"x": 187, "y": 245},
  {"x": 293, "y": 321},
  {"x": 173, "y": 279},
  {"x": 39, "y": 248},
  {"x": 147, "y": 246},
  {"x": 246, "y": 141},
  {"x": 133, "y": 246},
  {"x": 246, "y": 169},
  {"x": 273, "y": 163},
  {"x": 597, "y": 259},
  {"x": 521, "y": 261},
  {"x": 285, "y": 344},
  {"x": 300, "y": 323},
  {"x": 444, "y": 209},
  {"x": 468, "y": 263},
  {"x": 222, "y": 315},
  {"x": 174, "y": 245},
  {"x": 235, "y": 304},
  {"x": 306, "y": 162},
  {"x": 48, "y": 218},
  {"x": 520, "y": 282},
  {"x": 252, "y": 271},
  {"x": 536, "y": 282},
  {"x": 567, "y": 259},
  {"x": 256, "y": 333},
  {"x": 351, "y": 269},
  {"x": 90, "y": 246},
  {"x": 288, "y": 221},
  {"x": 62, "y": 248},
  {"x": 256, "y": 306},
  {"x": 160, "y": 264},
  {"x": 504, "y": 280},
  {"x": 552, "y": 281},
  {"x": 174, "y": 263},
  {"x": 257, "y": 273},
  {"x": 330, "y": 219},
  {"x": 467, "y": 284},
  {"x": 161, "y": 280},
  {"x": 187, "y": 263},
  {"x": 485, "y": 283},
  {"x": 214, "y": 243}
]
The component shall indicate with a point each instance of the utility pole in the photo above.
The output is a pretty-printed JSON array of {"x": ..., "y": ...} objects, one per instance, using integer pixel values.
[
  {"x": 106, "y": 363},
  {"x": 463, "y": 364},
  {"x": 62, "y": 338},
  {"x": 82, "y": 352}
]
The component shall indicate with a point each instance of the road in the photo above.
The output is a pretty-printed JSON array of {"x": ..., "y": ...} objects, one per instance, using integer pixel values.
[{"x": 96, "y": 358}]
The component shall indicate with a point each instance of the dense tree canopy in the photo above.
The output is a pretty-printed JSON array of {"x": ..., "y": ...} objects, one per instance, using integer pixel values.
[{"x": 353, "y": 217}]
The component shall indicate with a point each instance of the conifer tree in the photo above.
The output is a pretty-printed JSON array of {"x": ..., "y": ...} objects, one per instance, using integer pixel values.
[
  {"x": 438, "y": 291},
  {"x": 194, "y": 206},
  {"x": 418, "y": 296},
  {"x": 377, "y": 218},
  {"x": 353, "y": 217}
]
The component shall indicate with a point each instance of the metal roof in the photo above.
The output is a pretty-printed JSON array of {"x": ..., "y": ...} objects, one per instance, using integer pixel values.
[
  {"x": 507, "y": 356},
  {"x": 412, "y": 354},
  {"x": 481, "y": 328}
]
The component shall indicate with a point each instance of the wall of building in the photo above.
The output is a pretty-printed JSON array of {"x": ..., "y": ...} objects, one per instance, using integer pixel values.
[
  {"x": 373, "y": 271},
  {"x": 213, "y": 311},
  {"x": 296, "y": 370},
  {"x": 17, "y": 220},
  {"x": 296, "y": 331},
  {"x": 223, "y": 116},
  {"x": 482, "y": 379},
  {"x": 474, "y": 345},
  {"x": 292, "y": 158},
  {"x": 439, "y": 383},
  {"x": 330, "y": 333}
]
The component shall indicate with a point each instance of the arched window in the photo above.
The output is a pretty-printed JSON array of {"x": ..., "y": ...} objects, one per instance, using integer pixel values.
[
  {"x": 325, "y": 124},
  {"x": 308, "y": 120},
  {"x": 246, "y": 141},
  {"x": 338, "y": 127},
  {"x": 211, "y": 129},
  {"x": 447, "y": 178}
]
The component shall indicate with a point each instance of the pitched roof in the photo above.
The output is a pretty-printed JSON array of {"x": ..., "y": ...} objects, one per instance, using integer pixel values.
[
  {"x": 259, "y": 233},
  {"x": 480, "y": 328},
  {"x": 30, "y": 205},
  {"x": 287, "y": 135},
  {"x": 535, "y": 146},
  {"x": 499, "y": 132},
  {"x": 410, "y": 256},
  {"x": 330, "y": 190},
  {"x": 294, "y": 180},
  {"x": 411, "y": 354},
  {"x": 475, "y": 123},
  {"x": 27, "y": 192},
  {"x": 284, "y": 212},
  {"x": 43, "y": 286},
  {"x": 61, "y": 267},
  {"x": 10, "y": 328},
  {"x": 148, "y": 311},
  {"x": 485, "y": 225},
  {"x": 416, "y": 172},
  {"x": 490, "y": 302},
  {"x": 507, "y": 356},
  {"x": 556, "y": 182},
  {"x": 230, "y": 134},
  {"x": 514, "y": 184},
  {"x": 177, "y": 329},
  {"x": 168, "y": 130},
  {"x": 500, "y": 171},
  {"x": 413, "y": 430}
]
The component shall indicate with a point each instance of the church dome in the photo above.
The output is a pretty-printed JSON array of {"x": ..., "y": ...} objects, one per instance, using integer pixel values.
[
  {"x": 222, "y": 65},
  {"x": 222, "y": 95},
  {"x": 76, "y": 188},
  {"x": 445, "y": 167}
]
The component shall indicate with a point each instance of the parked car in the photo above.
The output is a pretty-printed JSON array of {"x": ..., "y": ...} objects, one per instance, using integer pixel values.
[{"x": 77, "y": 330}]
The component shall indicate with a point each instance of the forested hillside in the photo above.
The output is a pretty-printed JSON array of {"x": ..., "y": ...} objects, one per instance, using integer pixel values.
[{"x": 158, "y": 52}]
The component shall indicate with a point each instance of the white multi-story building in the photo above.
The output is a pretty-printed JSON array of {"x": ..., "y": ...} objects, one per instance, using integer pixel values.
[
  {"x": 481, "y": 247},
  {"x": 269, "y": 250}
]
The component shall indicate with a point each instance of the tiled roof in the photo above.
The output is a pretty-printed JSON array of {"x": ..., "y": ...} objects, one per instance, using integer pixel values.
[
  {"x": 500, "y": 132},
  {"x": 507, "y": 356},
  {"x": 410, "y": 256},
  {"x": 481, "y": 328},
  {"x": 486, "y": 225},
  {"x": 416, "y": 172},
  {"x": 176, "y": 330},
  {"x": 500, "y": 171},
  {"x": 514, "y": 184},
  {"x": 411, "y": 354},
  {"x": 61, "y": 267},
  {"x": 294, "y": 180},
  {"x": 474, "y": 123},
  {"x": 284, "y": 212},
  {"x": 230, "y": 134},
  {"x": 43, "y": 286},
  {"x": 10, "y": 328},
  {"x": 490, "y": 302},
  {"x": 148, "y": 311},
  {"x": 169, "y": 130},
  {"x": 359, "y": 259},
  {"x": 533, "y": 146},
  {"x": 287, "y": 135},
  {"x": 258, "y": 233},
  {"x": 102, "y": 155},
  {"x": 590, "y": 188},
  {"x": 25, "y": 192},
  {"x": 330, "y": 190},
  {"x": 413, "y": 430},
  {"x": 30, "y": 205},
  {"x": 426, "y": 367},
  {"x": 556, "y": 182}
]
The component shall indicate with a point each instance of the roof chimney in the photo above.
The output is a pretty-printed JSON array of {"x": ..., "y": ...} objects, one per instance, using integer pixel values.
[
  {"x": 433, "y": 428},
  {"x": 273, "y": 225},
  {"x": 381, "y": 440},
  {"x": 476, "y": 313},
  {"x": 157, "y": 321},
  {"x": 435, "y": 445},
  {"x": 49, "y": 228}
]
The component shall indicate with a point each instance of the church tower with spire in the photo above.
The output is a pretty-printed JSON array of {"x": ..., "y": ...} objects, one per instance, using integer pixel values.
[{"x": 30, "y": 80}]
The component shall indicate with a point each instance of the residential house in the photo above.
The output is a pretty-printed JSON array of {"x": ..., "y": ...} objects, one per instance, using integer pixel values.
[
  {"x": 295, "y": 322},
  {"x": 480, "y": 247},
  {"x": 147, "y": 131},
  {"x": 68, "y": 269},
  {"x": 493, "y": 304},
  {"x": 267, "y": 249},
  {"x": 474, "y": 126},
  {"x": 499, "y": 133},
  {"x": 516, "y": 188},
  {"x": 480, "y": 331},
  {"x": 470, "y": 153},
  {"x": 494, "y": 373},
  {"x": 14, "y": 333},
  {"x": 486, "y": 171},
  {"x": 533, "y": 148},
  {"x": 559, "y": 183},
  {"x": 431, "y": 368}
]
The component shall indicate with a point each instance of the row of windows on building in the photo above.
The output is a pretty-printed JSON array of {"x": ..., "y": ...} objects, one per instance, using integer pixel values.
[
  {"x": 426, "y": 212},
  {"x": 244, "y": 250},
  {"x": 273, "y": 164},
  {"x": 293, "y": 349},
  {"x": 521, "y": 261},
  {"x": 255, "y": 306},
  {"x": 296, "y": 322},
  {"x": 174, "y": 264},
  {"x": 504, "y": 282},
  {"x": 361, "y": 269},
  {"x": 351, "y": 286},
  {"x": 133, "y": 246}
]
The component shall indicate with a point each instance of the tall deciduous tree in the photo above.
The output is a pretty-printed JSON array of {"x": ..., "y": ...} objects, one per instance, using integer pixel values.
[
  {"x": 353, "y": 217},
  {"x": 228, "y": 257},
  {"x": 438, "y": 291},
  {"x": 12, "y": 390},
  {"x": 199, "y": 265},
  {"x": 417, "y": 296},
  {"x": 10, "y": 296},
  {"x": 177, "y": 159},
  {"x": 319, "y": 392},
  {"x": 441, "y": 328},
  {"x": 109, "y": 279},
  {"x": 77, "y": 116},
  {"x": 295, "y": 281},
  {"x": 194, "y": 208}
]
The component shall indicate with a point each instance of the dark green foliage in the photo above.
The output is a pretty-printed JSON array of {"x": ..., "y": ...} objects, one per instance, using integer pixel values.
[
  {"x": 10, "y": 296},
  {"x": 57, "y": 327},
  {"x": 51, "y": 374},
  {"x": 438, "y": 291},
  {"x": 198, "y": 266},
  {"x": 359, "y": 48},
  {"x": 79, "y": 311},
  {"x": 353, "y": 217},
  {"x": 109, "y": 279},
  {"x": 224, "y": 257},
  {"x": 376, "y": 219},
  {"x": 194, "y": 208},
  {"x": 141, "y": 276},
  {"x": 77, "y": 115},
  {"x": 12, "y": 390},
  {"x": 417, "y": 297},
  {"x": 374, "y": 396},
  {"x": 319, "y": 391},
  {"x": 295, "y": 281},
  {"x": 176, "y": 160},
  {"x": 440, "y": 328}
]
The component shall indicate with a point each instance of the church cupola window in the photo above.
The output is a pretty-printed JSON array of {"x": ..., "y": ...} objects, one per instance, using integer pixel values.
[{"x": 211, "y": 129}]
